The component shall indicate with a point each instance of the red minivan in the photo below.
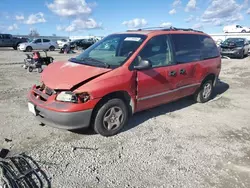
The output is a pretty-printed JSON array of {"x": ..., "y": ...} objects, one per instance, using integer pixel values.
[{"x": 125, "y": 73}]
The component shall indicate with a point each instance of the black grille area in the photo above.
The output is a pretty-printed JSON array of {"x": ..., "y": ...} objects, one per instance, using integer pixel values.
[{"x": 49, "y": 91}]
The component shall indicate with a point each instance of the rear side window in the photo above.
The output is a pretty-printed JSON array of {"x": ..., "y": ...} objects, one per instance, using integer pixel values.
[
  {"x": 187, "y": 48},
  {"x": 208, "y": 49},
  {"x": 46, "y": 40}
]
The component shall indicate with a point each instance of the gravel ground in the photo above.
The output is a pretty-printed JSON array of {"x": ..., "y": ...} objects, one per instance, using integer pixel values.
[{"x": 182, "y": 144}]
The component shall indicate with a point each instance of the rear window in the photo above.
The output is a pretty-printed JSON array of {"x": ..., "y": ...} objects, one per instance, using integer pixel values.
[
  {"x": 187, "y": 47},
  {"x": 46, "y": 40},
  {"x": 208, "y": 49}
]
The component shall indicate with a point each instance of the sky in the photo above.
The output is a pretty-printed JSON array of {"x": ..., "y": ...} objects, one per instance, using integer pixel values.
[{"x": 103, "y": 17}]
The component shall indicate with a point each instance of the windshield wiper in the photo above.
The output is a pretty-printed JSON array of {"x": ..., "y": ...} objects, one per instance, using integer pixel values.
[{"x": 95, "y": 60}]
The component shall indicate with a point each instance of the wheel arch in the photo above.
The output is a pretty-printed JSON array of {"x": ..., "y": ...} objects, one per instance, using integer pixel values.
[
  {"x": 210, "y": 76},
  {"x": 123, "y": 95}
]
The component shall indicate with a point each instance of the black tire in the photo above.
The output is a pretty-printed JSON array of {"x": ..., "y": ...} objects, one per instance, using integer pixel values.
[
  {"x": 52, "y": 48},
  {"x": 29, "y": 49},
  {"x": 243, "y": 31},
  {"x": 98, "y": 120},
  {"x": 242, "y": 55},
  {"x": 200, "y": 94},
  {"x": 30, "y": 69},
  {"x": 15, "y": 47}
]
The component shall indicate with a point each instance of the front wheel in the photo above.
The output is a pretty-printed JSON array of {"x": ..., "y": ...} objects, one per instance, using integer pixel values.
[
  {"x": 29, "y": 49},
  {"x": 204, "y": 94},
  {"x": 52, "y": 48},
  {"x": 110, "y": 117}
]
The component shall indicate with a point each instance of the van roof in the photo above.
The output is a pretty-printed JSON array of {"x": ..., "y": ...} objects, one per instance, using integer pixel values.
[{"x": 160, "y": 30}]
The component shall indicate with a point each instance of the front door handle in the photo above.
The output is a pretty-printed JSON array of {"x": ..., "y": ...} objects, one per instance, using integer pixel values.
[
  {"x": 182, "y": 71},
  {"x": 172, "y": 73}
]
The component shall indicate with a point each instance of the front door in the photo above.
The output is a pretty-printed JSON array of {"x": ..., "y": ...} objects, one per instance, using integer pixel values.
[
  {"x": 37, "y": 44},
  {"x": 156, "y": 85}
]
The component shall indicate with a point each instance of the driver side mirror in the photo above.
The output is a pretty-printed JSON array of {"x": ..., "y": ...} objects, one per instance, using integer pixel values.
[{"x": 143, "y": 64}]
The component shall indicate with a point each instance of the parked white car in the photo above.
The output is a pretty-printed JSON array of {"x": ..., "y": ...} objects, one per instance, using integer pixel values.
[
  {"x": 38, "y": 44},
  {"x": 235, "y": 29},
  {"x": 62, "y": 42}
]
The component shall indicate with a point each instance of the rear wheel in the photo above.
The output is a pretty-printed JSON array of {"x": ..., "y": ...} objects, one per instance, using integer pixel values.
[
  {"x": 52, "y": 48},
  {"x": 15, "y": 47},
  {"x": 205, "y": 92},
  {"x": 110, "y": 117},
  {"x": 243, "y": 31},
  {"x": 29, "y": 49}
]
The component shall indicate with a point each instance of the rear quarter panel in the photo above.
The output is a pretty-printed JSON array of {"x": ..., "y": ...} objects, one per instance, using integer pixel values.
[{"x": 207, "y": 67}]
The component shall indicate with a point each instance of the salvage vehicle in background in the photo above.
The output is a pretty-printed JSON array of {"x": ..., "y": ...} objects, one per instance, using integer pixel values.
[
  {"x": 235, "y": 47},
  {"x": 62, "y": 42},
  {"x": 125, "y": 73},
  {"x": 38, "y": 44},
  {"x": 7, "y": 40},
  {"x": 236, "y": 29},
  {"x": 80, "y": 44}
]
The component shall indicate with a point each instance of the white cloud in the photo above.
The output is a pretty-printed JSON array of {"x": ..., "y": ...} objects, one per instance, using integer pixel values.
[
  {"x": 19, "y": 17},
  {"x": 13, "y": 27},
  {"x": 166, "y": 24},
  {"x": 191, "y": 6},
  {"x": 189, "y": 19},
  {"x": 173, "y": 11},
  {"x": 218, "y": 14},
  {"x": 248, "y": 11},
  {"x": 176, "y": 3},
  {"x": 36, "y": 18},
  {"x": 79, "y": 25},
  {"x": 135, "y": 23},
  {"x": 78, "y": 11},
  {"x": 198, "y": 26},
  {"x": 68, "y": 8},
  {"x": 60, "y": 28}
]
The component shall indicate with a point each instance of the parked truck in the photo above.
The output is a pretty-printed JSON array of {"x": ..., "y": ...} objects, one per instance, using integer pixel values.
[{"x": 7, "y": 40}]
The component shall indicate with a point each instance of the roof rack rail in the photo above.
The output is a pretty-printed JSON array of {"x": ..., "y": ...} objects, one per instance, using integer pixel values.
[{"x": 171, "y": 28}]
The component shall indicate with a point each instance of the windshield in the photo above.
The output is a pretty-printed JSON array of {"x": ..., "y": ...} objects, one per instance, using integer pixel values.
[
  {"x": 234, "y": 41},
  {"x": 112, "y": 51}
]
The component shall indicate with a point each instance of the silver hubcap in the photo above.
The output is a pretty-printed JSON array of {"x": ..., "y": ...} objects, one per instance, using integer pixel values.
[
  {"x": 207, "y": 90},
  {"x": 113, "y": 118}
]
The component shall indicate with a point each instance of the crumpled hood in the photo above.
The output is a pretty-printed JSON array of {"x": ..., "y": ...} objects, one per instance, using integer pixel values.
[{"x": 65, "y": 75}]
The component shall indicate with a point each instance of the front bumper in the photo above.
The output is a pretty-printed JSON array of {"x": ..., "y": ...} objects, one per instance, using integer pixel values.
[
  {"x": 231, "y": 53},
  {"x": 57, "y": 114},
  {"x": 63, "y": 120},
  {"x": 21, "y": 48}
]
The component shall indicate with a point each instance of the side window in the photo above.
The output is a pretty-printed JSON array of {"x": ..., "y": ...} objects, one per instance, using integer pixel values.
[
  {"x": 158, "y": 51},
  {"x": 208, "y": 48},
  {"x": 38, "y": 41},
  {"x": 46, "y": 40},
  {"x": 187, "y": 48},
  {"x": 6, "y": 37}
]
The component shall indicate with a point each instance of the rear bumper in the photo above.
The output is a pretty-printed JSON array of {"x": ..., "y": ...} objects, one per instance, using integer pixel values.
[{"x": 63, "y": 120}]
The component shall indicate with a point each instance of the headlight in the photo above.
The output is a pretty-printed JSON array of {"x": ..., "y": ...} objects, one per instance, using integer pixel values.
[{"x": 68, "y": 96}]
